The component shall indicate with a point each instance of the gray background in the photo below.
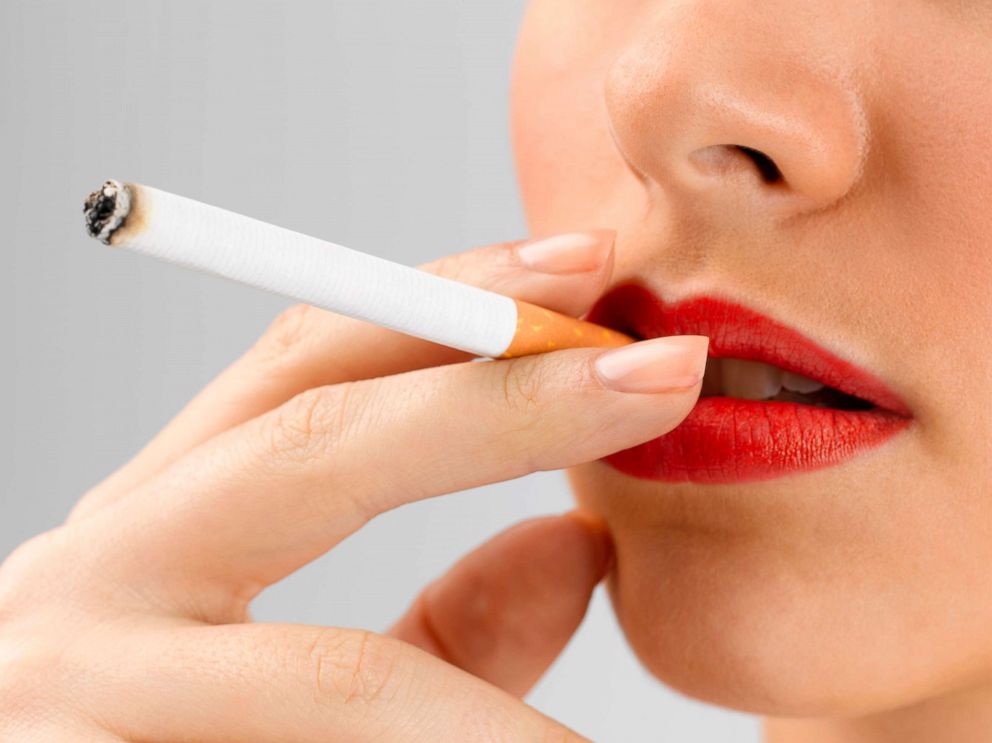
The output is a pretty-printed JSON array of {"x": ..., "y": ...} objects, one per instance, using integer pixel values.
[{"x": 381, "y": 124}]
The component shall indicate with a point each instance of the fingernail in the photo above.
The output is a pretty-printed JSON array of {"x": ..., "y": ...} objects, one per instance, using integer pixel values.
[
  {"x": 573, "y": 252},
  {"x": 656, "y": 365}
]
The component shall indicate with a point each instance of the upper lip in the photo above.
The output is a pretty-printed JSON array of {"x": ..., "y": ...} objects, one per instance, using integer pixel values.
[{"x": 736, "y": 331}]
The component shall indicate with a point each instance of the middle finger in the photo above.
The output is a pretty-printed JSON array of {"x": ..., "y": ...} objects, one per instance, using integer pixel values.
[{"x": 260, "y": 501}]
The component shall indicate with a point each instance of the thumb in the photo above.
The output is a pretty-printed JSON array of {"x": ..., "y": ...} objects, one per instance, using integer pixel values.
[{"x": 507, "y": 610}]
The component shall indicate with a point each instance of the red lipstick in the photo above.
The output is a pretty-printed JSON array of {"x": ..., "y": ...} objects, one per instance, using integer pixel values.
[{"x": 728, "y": 439}]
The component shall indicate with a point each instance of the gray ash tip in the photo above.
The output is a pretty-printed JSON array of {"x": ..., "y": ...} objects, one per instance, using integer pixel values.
[{"x": 106, "y": 210}]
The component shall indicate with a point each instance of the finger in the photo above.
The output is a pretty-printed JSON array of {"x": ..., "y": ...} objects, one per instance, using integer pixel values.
[
  {"x": 260, "y": 682},
  {"x": 307, "y": 347},
  {"x": 41, "y": 729},
  {"x": 507, "y": 610},
  {"x": 260, "y": 501}
]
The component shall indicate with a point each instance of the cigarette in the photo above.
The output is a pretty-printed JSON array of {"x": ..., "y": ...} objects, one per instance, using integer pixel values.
[{"x": 216, "y": 241}]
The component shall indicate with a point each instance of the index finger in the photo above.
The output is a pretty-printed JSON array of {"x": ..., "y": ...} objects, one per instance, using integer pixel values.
[
  {"x": 307, "y": 347},
  {"x": 254, "y": 505}
]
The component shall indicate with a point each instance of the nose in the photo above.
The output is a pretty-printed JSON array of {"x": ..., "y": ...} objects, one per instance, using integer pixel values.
[{"x": 714, "y": 99}]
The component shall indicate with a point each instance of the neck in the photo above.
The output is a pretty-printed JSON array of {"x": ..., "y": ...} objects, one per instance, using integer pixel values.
[{"x": 964, "y": 717}]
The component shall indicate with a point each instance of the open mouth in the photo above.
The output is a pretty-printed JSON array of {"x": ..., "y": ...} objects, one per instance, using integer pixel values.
[
  {"x": 773, "y": 402},
  {"x": 754, "y": 380}
]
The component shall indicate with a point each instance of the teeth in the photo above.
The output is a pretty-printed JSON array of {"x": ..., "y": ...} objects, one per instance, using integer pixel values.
[
  {"x": 750, "y": 380},
  {"x": 799, "y": 383}
]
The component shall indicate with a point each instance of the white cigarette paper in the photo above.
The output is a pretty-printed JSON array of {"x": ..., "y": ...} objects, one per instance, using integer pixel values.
[{"x": 207, "y": 238}]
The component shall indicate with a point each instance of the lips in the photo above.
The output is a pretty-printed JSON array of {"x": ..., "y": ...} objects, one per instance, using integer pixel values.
[{"x": 727, "y": 439}]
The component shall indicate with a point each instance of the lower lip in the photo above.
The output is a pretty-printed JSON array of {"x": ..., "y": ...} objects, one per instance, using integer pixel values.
[{"x": 727, "y": 440}]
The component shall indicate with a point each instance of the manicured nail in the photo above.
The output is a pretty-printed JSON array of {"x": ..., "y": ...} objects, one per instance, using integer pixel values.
[
  {"x": 574, "y": 252},
  {"x": 656, "y": 365}
]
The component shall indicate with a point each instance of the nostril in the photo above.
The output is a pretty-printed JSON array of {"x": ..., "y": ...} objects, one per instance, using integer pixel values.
[{"x": 766, "y": 166}]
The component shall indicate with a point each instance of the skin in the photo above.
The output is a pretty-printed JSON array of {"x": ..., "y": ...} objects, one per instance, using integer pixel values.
[
  {"x": 859, "y": 597},
  {"x": 131, "y": 621},
  {"x": 849, "y": 604}
]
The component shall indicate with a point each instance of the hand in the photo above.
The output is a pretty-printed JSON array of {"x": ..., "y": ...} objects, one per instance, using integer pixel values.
[{"x": 130, "y": 621}]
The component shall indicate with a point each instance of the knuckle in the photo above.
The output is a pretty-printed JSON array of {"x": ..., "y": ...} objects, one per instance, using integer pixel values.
[
  {"x": 495, "y": 267},
  {"x": 305, "y": 429},
  {"x": 286, "y": 333},
  {"x": 523, "y": 385},
  {"x": 18, "y": 685},
  {"x": 540, "y": 398},
  {"x": 352, "y": 667},
  {"x": 37, "y": 659},
  {"x": 29, "y": 674},
  {"x": 22, "y": 572},
  {"x": 456, "y": 266}
]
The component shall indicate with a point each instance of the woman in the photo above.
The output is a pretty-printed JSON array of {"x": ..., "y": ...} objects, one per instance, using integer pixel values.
[{"x": 805, "y": 185}]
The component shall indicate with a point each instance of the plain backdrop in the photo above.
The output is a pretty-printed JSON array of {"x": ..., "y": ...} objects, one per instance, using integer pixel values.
[{"x": 381, "y": 124}]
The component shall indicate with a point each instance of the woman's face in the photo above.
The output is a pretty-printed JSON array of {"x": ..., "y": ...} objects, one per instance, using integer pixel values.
[{"x": 785, "y": 557}]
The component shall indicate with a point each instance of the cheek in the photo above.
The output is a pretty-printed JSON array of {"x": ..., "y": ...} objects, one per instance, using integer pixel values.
[{"x": 930, "y": 200}]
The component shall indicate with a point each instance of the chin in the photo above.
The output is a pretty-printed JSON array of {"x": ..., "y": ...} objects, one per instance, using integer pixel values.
[
  {"x": 781, "y": 601},
  {"x": 720, "y": 621}
]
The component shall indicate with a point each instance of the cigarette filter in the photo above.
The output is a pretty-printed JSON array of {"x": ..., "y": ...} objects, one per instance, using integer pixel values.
[{"x": 207, "y": 238}]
